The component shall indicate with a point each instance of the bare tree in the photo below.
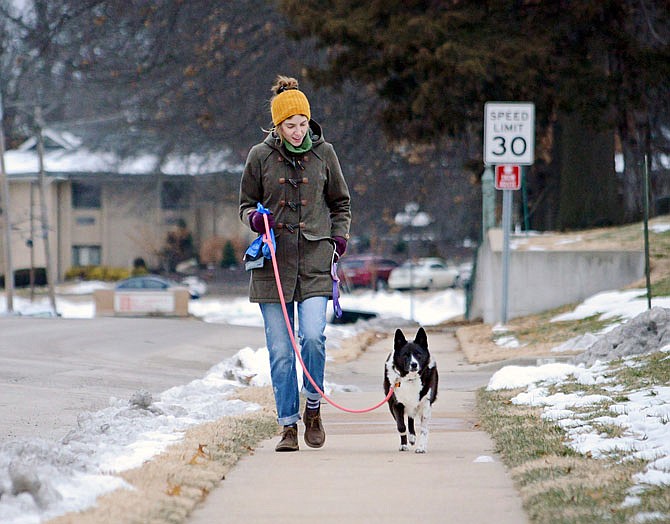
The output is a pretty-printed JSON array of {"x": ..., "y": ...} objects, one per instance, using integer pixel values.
[{"x": 194, "y": 76}]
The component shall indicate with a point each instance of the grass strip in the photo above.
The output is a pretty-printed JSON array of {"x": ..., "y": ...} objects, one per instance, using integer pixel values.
[
  {"x": 167, "y": 488},
  {"x": 558, "y": 485}
]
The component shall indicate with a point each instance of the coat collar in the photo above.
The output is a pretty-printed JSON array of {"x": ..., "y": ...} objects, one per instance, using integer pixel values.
[{"x": 316, "y": 133}]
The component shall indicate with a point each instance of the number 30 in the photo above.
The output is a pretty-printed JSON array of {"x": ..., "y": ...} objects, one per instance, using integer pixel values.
[{"x": 517, "y": 146}]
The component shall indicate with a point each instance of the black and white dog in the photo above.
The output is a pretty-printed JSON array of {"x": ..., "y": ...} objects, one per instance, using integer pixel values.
[{"x": 412, "y": 372}]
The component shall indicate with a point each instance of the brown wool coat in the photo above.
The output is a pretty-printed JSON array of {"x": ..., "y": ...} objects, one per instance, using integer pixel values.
[{"x": 310, "y": 201}]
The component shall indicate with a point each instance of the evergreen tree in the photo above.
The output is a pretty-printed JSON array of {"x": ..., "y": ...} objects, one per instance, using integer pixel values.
[
  {"x": 229, "y": 257},
  {"x": 594, "y": 64}
]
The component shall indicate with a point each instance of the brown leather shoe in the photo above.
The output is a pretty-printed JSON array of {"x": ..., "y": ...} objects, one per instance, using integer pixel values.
[
  {"x": 315, "y": 436},
  {"x": 289, "y": 439}
]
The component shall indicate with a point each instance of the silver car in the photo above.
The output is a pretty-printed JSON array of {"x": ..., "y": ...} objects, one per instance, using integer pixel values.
[{"x": 424, "y": 273}]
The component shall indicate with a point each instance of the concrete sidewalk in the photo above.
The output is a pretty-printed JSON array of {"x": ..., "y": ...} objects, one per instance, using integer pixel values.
[{"x": 359, "y": 476}]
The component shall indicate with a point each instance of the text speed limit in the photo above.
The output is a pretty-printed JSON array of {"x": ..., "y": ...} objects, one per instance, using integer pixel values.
[{"x": 509, "y": 133}]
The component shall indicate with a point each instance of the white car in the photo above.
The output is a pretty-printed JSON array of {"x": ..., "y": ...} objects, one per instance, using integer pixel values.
[{"x": 424, "y": 273}]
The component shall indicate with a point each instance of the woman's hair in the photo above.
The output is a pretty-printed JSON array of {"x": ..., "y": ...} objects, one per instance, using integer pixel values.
[{"x": 282, "y": 83}]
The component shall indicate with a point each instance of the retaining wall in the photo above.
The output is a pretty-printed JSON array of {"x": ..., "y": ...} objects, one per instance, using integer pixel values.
[
  {"x": 168, "y": 303},
  {"x": 540, "y": 280}
]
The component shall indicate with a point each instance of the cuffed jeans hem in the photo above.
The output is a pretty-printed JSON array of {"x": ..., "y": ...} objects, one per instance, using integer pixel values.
[
  {"x": 311, "y": 396},
  {"x": 287, "y": 421}
]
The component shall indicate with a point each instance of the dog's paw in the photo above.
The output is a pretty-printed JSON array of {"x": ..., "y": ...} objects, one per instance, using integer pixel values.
[
  {"x": 412, "y": 439},
  {"x": 420, "y": 449},
  {"x": 403, "y": 447}
]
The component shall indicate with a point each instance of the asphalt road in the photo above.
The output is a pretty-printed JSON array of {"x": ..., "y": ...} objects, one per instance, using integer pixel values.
[{"x": 53, "y": 369}]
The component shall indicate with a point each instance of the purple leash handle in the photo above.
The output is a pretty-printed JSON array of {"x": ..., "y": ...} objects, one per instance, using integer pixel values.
[{"x": 336, "y": 288}]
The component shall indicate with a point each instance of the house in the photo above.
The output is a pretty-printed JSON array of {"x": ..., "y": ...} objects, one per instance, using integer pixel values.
[{"x": 107, "y": 210}]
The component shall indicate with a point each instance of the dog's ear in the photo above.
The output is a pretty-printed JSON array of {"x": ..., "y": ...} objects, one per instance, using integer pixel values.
[
  {"x": 421, "y": 338},
  {"x": 400, "y": 339}
]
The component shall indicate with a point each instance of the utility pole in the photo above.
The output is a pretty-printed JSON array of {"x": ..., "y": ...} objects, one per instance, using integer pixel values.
[
  {"x": 43, "y": 207},
  {"x": 31, "y": 241},
  {"x": 7, "y": 244}
]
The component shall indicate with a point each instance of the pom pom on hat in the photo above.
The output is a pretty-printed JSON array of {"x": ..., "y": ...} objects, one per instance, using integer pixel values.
[{"x": 288, "y": 103}]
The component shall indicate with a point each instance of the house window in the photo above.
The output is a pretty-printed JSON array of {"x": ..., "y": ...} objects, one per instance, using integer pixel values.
[
  {"x": 86, "y": 256},
  {"x": 85, "y": 221},
  {"x": 175, "y": 195},
  {"x": 85, "y": 196}
]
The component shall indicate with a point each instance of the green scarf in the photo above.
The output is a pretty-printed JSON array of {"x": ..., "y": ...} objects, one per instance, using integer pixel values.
[{"x": 302, "y": 148}]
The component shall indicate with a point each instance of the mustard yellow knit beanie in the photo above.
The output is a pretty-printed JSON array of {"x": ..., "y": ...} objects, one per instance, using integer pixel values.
[{"x": 288, "y": 103}]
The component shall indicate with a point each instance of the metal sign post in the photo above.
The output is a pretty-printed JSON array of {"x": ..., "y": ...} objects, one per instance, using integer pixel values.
[
  {"x": 509, "y": 142},
  {"x": 507, "y": 226},
  {"x": 647, "y": 267}
]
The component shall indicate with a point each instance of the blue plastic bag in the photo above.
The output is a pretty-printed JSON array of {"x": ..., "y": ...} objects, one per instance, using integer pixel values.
[{"x": 258, "y": 251}]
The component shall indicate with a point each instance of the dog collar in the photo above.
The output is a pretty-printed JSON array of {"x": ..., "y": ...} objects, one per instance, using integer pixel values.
[{"x": 398, "y": 380}]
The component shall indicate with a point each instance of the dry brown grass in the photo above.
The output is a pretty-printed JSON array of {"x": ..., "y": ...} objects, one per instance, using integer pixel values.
[
  {"x": 555, "y": 483},
  {"x": 167, "y": 488},
  {"x": 478, "y": 346},
  {"x": 555, "y": 473},
  {"x": 536, "y": 334}
]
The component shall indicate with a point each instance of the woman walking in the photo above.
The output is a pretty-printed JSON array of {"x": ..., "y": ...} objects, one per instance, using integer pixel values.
[{"x": 296, "y": 175}]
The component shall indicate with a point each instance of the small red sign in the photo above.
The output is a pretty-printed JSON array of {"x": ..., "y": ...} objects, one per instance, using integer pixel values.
[{"x": 508, "y": 177}]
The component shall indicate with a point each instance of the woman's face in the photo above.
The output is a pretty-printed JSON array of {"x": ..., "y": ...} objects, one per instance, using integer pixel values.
[{"x": 294, "y": 129}]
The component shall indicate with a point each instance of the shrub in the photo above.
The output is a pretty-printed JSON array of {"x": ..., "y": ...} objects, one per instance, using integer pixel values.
[
  {"x": 105, "y": 273},
  {"x": 229, "y": 258}
]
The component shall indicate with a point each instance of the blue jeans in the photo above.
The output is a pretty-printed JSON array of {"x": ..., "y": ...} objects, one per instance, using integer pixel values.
[{"x": 311, "y": 327}]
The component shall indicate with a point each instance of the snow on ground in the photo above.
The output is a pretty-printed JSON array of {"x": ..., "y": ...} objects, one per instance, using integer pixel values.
[
  {"x": 616, "y": 306},
  {"x": 426, "y": 308},
  {"x": 57, "y": 477},
  {"x": 659, "y": 228},
  {"x": 643, "y": 416},
  {"x": 42, "y": 479},
  {"x": 613, "y": 305}
]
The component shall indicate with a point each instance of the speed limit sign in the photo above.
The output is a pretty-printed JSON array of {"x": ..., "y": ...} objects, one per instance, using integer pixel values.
[{"x": 509, "y": 133}]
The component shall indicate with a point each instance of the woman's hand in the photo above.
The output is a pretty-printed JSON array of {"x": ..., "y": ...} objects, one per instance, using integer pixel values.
[
  {"x": 257, "y": 223},
  {"x": 340, "y": 245}
]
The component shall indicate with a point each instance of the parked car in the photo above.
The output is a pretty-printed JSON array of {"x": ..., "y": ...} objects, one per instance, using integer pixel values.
[
  {"x": 155, "y": 283},
  {"x": 424, "y": 273},
  {"x": 365, "y": 271}
]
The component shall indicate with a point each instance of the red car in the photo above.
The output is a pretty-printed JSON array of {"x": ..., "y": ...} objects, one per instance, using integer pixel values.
[{"x": 365, "y": 271}]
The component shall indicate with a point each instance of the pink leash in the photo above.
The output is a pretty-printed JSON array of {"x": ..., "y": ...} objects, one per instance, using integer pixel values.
[{"x": 267, "y": 240}]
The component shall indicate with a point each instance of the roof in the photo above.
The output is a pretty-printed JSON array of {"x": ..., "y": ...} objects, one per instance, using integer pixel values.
[{"x": 65, "y": 156}]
